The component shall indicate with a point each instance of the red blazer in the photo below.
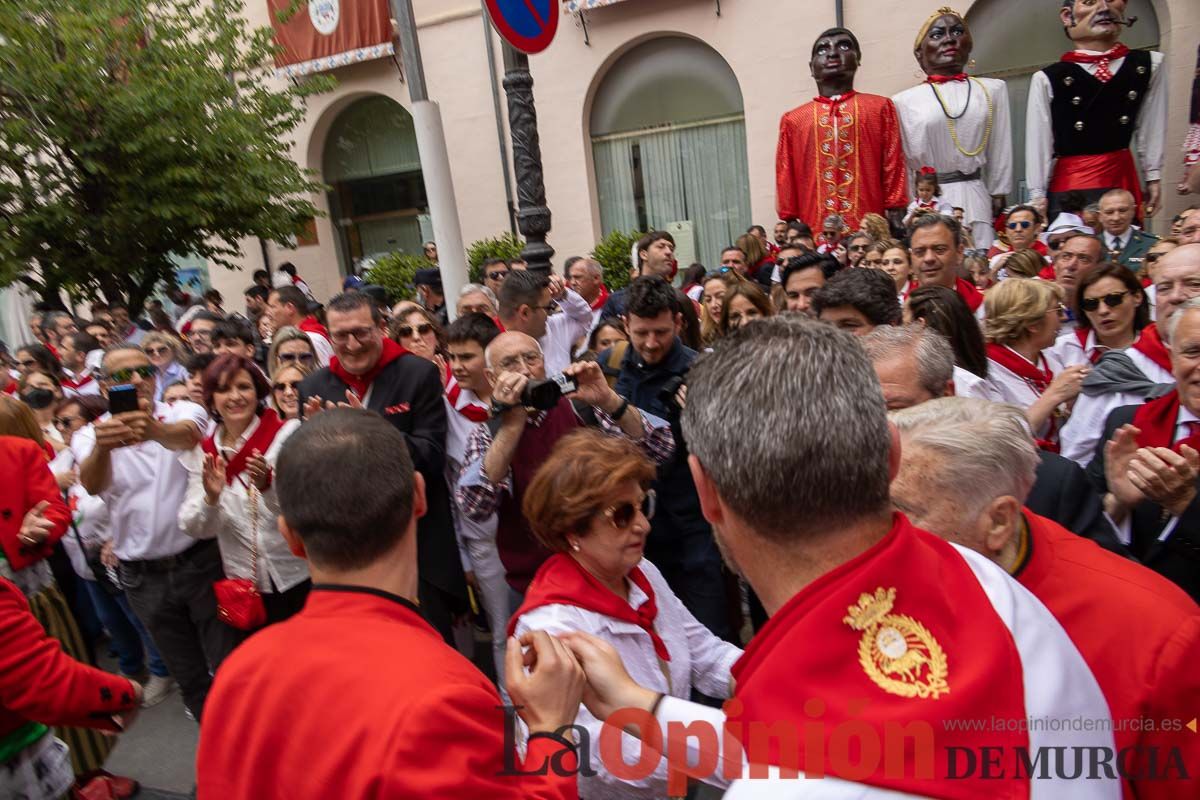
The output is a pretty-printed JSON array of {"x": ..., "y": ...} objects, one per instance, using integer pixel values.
[
  {"x": 41, "y": 683},
  {"x": 26, "y": 480},
  {"x": 357, "y": 696},
  {"x": 1139, "y": 633}
]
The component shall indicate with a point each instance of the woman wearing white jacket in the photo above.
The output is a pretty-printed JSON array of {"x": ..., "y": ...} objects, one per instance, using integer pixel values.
[{"x": 230, "y": 495}]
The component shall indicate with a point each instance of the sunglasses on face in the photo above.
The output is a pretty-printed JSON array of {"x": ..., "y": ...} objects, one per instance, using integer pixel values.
[
  {"x": 156, "y": 351},
  {"x": 302, "y": 357},
  {"x": 404, "y": 331},
  {"x": 1152, "y": 257},
  {"x": 1019, "y": 225},
  {"x": 66, "y": 422},
  {"x": 498, "y": 275},
  {"x": 125, "y": 375},
  {"x": 28, "y": 363},
  {"x": 622, "y": 514},
  {"x": 1112, "y": 300},
  {"x": 283, "y": 386}
]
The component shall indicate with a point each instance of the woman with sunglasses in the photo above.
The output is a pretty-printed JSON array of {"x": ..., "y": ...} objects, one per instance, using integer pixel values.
[
  {"x": 32, "y": 357},
  {"x": 164, "y": 353},
  {"x": 1111, "y": 311},
  {"x": 230, "y": 493},
  {"x": 1022, "y": 323},
  {"x": 590, "y": 503},
  {"x": 285, "y": 389},
  {"x": 290, "y": 347}
]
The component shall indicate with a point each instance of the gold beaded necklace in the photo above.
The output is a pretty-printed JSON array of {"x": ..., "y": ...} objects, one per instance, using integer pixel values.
[{"x": 951, "y": 120}]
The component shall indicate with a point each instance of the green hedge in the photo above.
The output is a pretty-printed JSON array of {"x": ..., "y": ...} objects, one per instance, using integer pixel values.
[
  {"x": 506, "y": 246},
  {"x": 613, "y": 253}
]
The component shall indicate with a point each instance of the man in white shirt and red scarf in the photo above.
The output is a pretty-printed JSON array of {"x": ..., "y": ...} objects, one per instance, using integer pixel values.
[
  {"x": 371, "y": 371},
  {"x": 875, "y": 626},
  {"x": 73, "y": 351},
  {"x": 287, "y": 305},
  {"x": 585, "y": 276},
  {"x": 936, "y": 245},
  {"x": 1148, "y": 462},
  {"x": 1086, "y": 110}
]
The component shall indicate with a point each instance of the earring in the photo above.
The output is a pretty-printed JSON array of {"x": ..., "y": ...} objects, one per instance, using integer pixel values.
[{"x": 575, "y": 546}]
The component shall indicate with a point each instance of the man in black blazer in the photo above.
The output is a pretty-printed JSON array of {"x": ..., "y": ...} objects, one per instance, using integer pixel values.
[
  {"x": 369, "y": 370},
  {"x": 1147, "y": 464}
]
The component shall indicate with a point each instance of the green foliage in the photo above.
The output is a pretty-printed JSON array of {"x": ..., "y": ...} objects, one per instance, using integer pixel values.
[
  {"x": 505, "y": 246},
  {"x": 396, "y": 273},
  {"x": 130, "y": 131},
  {"x": 613, "y": 254}
]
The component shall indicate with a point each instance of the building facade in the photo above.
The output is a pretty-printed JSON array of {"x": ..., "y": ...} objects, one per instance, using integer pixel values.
[{"x": 659, "y": 113}]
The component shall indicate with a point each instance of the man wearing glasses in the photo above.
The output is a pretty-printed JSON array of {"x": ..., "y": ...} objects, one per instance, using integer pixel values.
[
  {"x": 369, "y": 370},
  {"x": 527, "y": 302},
  {"x": 131, "y": 461}
]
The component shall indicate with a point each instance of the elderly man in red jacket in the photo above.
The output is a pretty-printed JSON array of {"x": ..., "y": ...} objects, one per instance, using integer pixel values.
[
  {"x": 966, "y": 468},
  {"x": 358, "y": 696}
]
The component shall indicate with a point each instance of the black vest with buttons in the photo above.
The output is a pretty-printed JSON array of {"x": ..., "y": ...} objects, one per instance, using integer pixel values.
[{"x": 1089, "y": 117}]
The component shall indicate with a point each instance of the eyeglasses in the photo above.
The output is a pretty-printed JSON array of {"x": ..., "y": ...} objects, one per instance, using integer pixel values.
[
  {"x": 512, "y": 362},
  {"x": 1152, "y": 257},
  {"x": 1112, "y": 300},
  {"x": 358, "y": 334},
  {"x": 156, "y": 351},
  {"x": 284, "y": 386},
  {"x": 304, "y": 358},
  {"x": 28, "y": 363},
  {"x": 404, "y": 331},
  {"x": 498, "y": 275},
  {"x": 622, "y": 515},
  {"x": 1062, "y": 311},
  {"x": 65, "y": 422},
  {"x": 125, "y": 375},
  {"x": 1020, "y": 224}
]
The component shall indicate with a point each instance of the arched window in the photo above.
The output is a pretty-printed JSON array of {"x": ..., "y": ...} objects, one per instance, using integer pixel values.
[
  {"x": 370, "y": 160},
  {"x": 669, "y": 143},
  {"x": 1014, "y": 52}
]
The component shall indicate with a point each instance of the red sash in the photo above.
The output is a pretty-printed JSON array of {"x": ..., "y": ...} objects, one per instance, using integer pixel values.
[
  {"x": 1037, "y": 378},
  {"x": 473, "y": 412},
  {"x": 962, "y": 76},
  {"x": 359, "y": 384},
  {"x": 1157, "y": 420},
  {"x": 957, "y": 652},
  {"x": 561, "y": 580},
  {"x": 968, "y": 292},
  {"x": 310, "y": 325},
  {"x": 1115, "y": 170},
  {"x": 601, "y": 298},
  {"x": 1150, "y": 344},
  {"x": 269, "y": 425}
]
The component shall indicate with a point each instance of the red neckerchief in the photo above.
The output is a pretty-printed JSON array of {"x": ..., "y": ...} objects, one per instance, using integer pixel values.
[
  {"x": 561, "y": 580},
  {"x": 1150, "y": 344},
  {"x": 600, "y": 298},
  {"x": 473, "y": 412},
  {"x": 1102, "y": 60},
  {"x": 1157, "y": 420},
  {"x": 310, "y": 325},
  {"x": 831, "y": 102},
  {"x": 968, "y": 292},
  {"x": 1083, "y": 334},
  {"x": 359, "y": 384},
  {"x": 499, "y": 324},
  {"x": 1047, "y": 273},
  {"x": 269, "y": 424},
  {"x": 71, "y": 383},
  {"x": 962, "y": 76},
  {"x": 1037, "y": 378},
  {"x": 11, "y": 388}
]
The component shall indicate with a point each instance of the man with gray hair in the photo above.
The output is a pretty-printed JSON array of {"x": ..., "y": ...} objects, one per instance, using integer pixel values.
[
  {"x": 1148, "y": 461},
  {"x": 795, "y": 486},
  {"x": 966, "y": 468},
  {"x": 585, "y": 276},
  {"x": 475, "y": 298}
]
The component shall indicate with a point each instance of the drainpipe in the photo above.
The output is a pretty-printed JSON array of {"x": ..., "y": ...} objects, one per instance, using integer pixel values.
[
  {"x": 839, "y": 12},
  {"x": 504, "y": 163}
]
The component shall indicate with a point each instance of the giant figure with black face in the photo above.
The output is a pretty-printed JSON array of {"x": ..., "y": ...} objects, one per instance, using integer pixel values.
[
  {"x": 958, "y": 124},
  {"x": 854, "y": 139},
  {"x": 1088, "y": 109}
]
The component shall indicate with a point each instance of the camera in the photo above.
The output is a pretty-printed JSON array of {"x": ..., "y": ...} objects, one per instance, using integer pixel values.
[
  {"x": 666, "y": 395},
  {"x": 544, "y": 395}
]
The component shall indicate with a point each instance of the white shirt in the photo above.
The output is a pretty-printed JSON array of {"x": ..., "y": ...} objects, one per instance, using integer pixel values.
[
  {"x": 458, "y": 433},
  {"x": 91, "y": 387},
  {"x": 968, "y": 384},
  {"x": 1002, "y": 385},
  {"x": 698, "y": 659},
  {"x": 89, "y": 516},
  {"x": 563, "y": 330},
  {"x": 231, "y": 520},
  {"x": 322, "y": 347},
  {"x": 147, "y": 487},
  {"x": 1118, "y": 242},
  {"x": 1148, "y": 136}
]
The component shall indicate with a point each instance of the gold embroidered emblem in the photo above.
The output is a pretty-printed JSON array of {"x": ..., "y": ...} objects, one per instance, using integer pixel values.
[{"x": 898, "y": 653}]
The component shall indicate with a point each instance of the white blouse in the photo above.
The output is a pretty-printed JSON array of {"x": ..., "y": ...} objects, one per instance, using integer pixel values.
[
  {"x": 698, "y": 659},
  {"x": 231, "y": 523}
]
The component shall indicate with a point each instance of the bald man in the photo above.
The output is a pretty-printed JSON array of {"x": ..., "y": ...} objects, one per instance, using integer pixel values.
[
  {"x": 1123, "y": 243},
  {"x": 503, "y": 455}
]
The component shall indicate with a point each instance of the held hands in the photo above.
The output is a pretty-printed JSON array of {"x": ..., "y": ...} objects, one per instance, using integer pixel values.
[
  {"x": 609, "y": 687},
  {"x": 548, "y": 694},
  {"x": 214, "y": 478},
  {"x": 1166, "y": 477},
  {"x": 35, "y": 528}
]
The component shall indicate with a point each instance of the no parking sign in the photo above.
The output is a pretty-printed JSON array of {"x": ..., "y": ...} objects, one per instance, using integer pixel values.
[{"x": 527, "y": 25}]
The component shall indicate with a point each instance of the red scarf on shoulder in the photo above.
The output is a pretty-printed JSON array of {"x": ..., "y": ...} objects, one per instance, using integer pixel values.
[
  {"x": 310, "y": 325},
  {"x": 1038, "y": 379},
  {"x": 1157, "y": 420},
  {"x": 969, "y": 293},
  {"x": 1150, "y": 344},
  {"x": 359, "y": 384},
  {"x": 601, "y": 298},
  {"x": 472, "y": 411},
  {"x": 269, "y": 424},
  {"x": 562, "y": 580}
]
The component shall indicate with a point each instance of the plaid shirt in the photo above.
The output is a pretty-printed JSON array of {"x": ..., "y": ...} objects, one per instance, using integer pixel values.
[{"x": 479, "y": 498}]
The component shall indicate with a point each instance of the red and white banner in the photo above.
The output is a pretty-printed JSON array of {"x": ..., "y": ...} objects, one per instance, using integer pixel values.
[{"x": 327, "y": 34}]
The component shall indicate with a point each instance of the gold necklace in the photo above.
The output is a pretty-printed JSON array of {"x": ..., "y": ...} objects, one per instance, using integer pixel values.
[{"x": 951, "y": 122}]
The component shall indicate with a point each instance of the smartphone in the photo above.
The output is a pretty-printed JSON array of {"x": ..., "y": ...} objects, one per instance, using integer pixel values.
[{"x": 122, "y": 398}]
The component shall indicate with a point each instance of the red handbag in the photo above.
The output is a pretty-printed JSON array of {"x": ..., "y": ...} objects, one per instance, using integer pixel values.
[{"x": 239, "y": 603}]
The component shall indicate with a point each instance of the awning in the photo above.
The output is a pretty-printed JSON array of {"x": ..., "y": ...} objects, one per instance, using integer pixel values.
[{"x": 327, "y": 34}]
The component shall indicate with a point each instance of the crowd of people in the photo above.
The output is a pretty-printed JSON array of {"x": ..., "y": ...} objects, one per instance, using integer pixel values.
[{"x": 904, "y": 470}]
